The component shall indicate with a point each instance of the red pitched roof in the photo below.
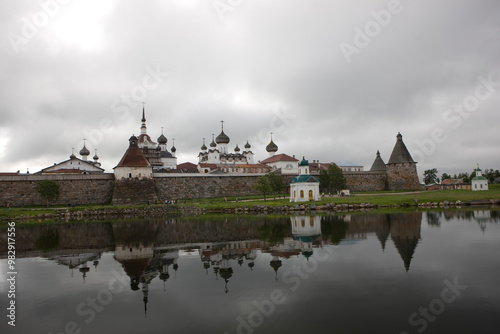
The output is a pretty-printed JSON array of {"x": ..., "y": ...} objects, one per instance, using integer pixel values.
[
  {"x": 133, "y": 158},
  {"x": 186, "y": 165},
  {"x": 278, "y": 157}
]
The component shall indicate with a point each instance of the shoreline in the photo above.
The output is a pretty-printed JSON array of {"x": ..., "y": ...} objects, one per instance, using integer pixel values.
[{"x": 158, "y": 211}]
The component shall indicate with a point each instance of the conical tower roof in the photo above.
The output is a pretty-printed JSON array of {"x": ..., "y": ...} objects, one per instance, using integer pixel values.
[
  {"x": 378, "y": 164},
  {"x": 400, "y": 152}
]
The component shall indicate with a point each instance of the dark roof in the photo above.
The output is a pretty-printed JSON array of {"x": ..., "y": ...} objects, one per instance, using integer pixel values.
[
  {"x": 278, "y": 157},
  {"x": 133, "y": 157},
  {"x": 166, "y": 154},
  {"x": 304, "y": 178},
  {"x": 400, "y": 152},
  {"x": 378, "y": 164},
  {"x": 222, "y": 138},
  {"x": 84, "y": 151},
  {"x": 162, "y": 139},
  {"x": 304, "y": 162},
  {"x": 272, "y": 147}
]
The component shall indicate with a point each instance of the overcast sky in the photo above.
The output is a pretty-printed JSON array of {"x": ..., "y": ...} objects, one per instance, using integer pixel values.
[{"x": 333, "y": 80}]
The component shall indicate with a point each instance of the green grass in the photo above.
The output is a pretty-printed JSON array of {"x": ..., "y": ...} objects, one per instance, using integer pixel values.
[{"x": 382, "y": 198}]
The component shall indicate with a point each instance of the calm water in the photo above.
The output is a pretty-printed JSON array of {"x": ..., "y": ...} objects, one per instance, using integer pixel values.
[{"x": 434, "y": 272}]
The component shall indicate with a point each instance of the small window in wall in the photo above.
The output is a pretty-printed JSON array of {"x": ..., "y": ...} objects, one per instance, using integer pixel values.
[
  {"x": 475, "y": 186},
  {"x": 302, "y": 194},
  {"x": 129, "y": 175}
]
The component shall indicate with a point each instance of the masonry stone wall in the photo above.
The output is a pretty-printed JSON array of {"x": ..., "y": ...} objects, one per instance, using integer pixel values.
[
  {"x": 19, "y": 190},
  {"x": 183, "y": 187},
  {"x": 366, "y": 181},
  {"x": 402, "y": 176}
]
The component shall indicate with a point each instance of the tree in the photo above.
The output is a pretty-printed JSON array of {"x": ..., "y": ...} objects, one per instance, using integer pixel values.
[
  {"x": 263, "y": 185},
  {"x": 324, "y": 180},
  {"x": 337, "y": 179},
  {"x": 430, "y": 176},
  {"x": 276, "y": 183},
  {"x": 445, "y": 176},
  {"x": 49, "y": 190}
]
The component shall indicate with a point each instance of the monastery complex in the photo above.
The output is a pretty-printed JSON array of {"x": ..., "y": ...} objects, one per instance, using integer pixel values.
[{"x": 149, "y": 172}]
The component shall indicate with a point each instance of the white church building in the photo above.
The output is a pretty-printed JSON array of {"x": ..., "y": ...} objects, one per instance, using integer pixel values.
[
  {"x": 479, "y": 182},
  {"x": 304, "y": 187}
]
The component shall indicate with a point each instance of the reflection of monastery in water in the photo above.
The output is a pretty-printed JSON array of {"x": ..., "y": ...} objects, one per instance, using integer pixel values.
[{"x": 153, "y": 250}]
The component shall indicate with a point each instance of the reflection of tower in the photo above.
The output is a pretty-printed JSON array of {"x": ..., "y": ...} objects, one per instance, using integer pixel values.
[
  {"x": 405, "y": 233},
  {"x": 382, "y": 230},
  {"x": 84, "y": 269},
  {"x": 134, "y": 242},
  {"x": 251, "y": 258},
  {"x": 226, "y": 272},
  {"x": 276, "y": 264}
]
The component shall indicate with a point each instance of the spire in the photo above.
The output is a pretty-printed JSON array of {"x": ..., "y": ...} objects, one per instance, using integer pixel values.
[
  {"x": 143, "y": 120},
  {"x": 400, "y": 152},
  {"x": 213, "y": 144}
]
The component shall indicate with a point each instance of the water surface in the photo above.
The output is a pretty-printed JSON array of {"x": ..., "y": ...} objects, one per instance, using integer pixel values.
[{"x": 432, "y": 272}]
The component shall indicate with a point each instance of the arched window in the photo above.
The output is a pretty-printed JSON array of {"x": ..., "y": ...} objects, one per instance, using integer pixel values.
[
  {"x": 302, "y": 194},
  {"x": 294, "y": 194},
  {"x": 310, "y": 195}
]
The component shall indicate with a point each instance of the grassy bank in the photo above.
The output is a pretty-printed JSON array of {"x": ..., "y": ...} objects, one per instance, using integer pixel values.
[{"x": 383, "y": 198}]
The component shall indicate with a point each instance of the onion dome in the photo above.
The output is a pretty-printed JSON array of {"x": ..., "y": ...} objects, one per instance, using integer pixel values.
[
  {"x": 72, "y": 156},
  {"x": 84, "y": 151},
  {"x": 162, "y": 139},
  {"x": 222, "y": 138},
  {"x": 304, "y": 162},
  {"x": 236, "y": 149},
  {"x": 247, "y": 145},
  {"x": 173, "y": 149},
  {"x": 272, "y": 147},
  {"x": 213, "y": 144},
  {"x": 203, "y": 147},
  {"x": 96, "y": 157}
]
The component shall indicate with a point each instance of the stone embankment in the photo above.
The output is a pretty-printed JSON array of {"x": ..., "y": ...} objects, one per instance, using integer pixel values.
[
  {"x": 161, "y": 211},
  {"x": 447, "y": 204}
]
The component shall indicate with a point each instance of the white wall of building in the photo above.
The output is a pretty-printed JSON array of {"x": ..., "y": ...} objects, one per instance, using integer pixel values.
[{"x": 122, "y": 173}]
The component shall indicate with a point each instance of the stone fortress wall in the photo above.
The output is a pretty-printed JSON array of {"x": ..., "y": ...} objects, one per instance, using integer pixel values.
[{"x": 19, "y": 190}]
